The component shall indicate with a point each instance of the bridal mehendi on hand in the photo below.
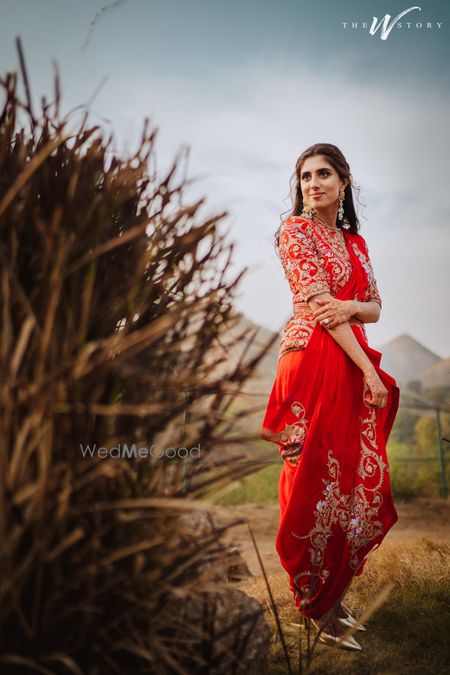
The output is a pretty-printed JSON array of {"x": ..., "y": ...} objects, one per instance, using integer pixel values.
[{"x": 336, "y": 311}]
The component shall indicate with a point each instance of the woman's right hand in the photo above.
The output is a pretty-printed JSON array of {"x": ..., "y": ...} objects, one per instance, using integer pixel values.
[{"x": 377, "y": 393}]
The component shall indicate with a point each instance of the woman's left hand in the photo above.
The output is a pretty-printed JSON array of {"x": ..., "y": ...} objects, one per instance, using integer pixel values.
[{"x": 337, "y": 311}]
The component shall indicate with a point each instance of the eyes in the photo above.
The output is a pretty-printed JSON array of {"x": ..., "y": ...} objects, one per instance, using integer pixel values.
[{"x": 322, "y": 172}]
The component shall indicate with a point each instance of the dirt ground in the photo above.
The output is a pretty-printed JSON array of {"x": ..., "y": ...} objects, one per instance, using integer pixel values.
[{"x": 422, "y": 517}]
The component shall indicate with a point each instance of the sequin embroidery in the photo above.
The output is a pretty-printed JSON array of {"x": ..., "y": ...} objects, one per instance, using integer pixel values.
[
  {"x": 315, "y": 260},
  {"x": 356, "y": 513}
]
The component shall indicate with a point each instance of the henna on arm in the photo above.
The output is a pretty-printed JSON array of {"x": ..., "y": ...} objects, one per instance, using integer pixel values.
[
  {"x": 344, "y": 336},
  {"x": 367, "y": 312}
]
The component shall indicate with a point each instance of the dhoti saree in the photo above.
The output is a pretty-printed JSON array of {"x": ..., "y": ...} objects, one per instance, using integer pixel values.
[{"x": 336, "y": 504}]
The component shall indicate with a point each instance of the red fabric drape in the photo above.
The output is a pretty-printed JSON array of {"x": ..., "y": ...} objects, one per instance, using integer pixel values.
[{"x": 336, "y": 503}]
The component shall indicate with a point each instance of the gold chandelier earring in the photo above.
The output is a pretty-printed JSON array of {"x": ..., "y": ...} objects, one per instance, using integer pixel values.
[
  {"x": 308, "y": 210},
  {"x": 341, "y": 203}
]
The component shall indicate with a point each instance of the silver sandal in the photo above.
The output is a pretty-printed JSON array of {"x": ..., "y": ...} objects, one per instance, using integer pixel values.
[{"x": 348, "y": 642}]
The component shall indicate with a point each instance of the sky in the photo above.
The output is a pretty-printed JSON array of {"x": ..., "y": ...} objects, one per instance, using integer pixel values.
[{"x": 247, "y": 85}]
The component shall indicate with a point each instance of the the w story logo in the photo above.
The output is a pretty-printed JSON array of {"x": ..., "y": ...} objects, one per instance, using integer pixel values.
[{"x": 386, "y": 24}]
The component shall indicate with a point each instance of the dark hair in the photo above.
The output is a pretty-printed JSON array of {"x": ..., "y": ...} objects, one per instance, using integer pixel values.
[{"x": 338, "y": 161}]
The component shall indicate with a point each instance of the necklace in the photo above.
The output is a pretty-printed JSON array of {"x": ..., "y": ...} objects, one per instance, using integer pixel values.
[{"x": 333, "y": 227}]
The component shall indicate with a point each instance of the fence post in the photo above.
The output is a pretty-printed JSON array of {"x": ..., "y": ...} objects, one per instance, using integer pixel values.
[
  {"x": 424, "y": 404},
  {"x": 443, "y": 472}
]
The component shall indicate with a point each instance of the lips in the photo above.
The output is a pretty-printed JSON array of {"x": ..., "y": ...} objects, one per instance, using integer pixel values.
[{"x": 316, "y": 195}]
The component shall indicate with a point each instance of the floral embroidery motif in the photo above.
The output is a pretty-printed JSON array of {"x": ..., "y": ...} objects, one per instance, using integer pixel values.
[
  {"x": 371, "y": 464},
  {"x": 315, "y": 260},
  {"x": 292, "y": 437},
  {"x": 355, "y": 513},
  {"x": 303, "y": 269},
  {"x": 372, "y": 290},
  {"x": 298, "y": 330}
]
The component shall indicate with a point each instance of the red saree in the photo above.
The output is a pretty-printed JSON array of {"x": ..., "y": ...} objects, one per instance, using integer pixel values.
[{"x": 334, "y": 490}]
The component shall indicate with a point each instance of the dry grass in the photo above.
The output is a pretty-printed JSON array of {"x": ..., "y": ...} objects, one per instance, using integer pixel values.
[
  {"x": 407, "y": 635},
  {"x": 116, "y": 300}
]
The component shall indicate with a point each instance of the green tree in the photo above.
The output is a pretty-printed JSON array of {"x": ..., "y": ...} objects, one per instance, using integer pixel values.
[{"x": 403, "y": 430}]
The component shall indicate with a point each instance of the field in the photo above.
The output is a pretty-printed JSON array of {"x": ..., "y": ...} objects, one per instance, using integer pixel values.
[{"x": 408, "y": 634}]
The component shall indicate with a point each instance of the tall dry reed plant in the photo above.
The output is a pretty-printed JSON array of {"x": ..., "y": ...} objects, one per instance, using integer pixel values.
[{"x": 115, "y": 301}]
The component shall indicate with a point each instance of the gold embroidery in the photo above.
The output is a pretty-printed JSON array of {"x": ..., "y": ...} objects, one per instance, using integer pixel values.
[
  {"x": 315, "y": 260},
  {"x": 371, "y": 464},
  {"x": 333, "y": 253},
  {"x": 292, "y": 437},
  {"x": 298, "y": 330},
  {"x": 372, "y": 288},
  {"x": 296, "y": 333},
  {"x": 306, "y": 276},
  {"x": 356, "y": 513}
]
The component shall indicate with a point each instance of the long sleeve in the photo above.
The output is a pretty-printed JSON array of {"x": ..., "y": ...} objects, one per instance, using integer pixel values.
[
  {"x": 373, "y": 288},
  {"x": 305, "y": 274}
]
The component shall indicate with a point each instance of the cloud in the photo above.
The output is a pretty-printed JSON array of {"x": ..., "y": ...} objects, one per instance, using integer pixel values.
[{"x": 247, "y": 125}]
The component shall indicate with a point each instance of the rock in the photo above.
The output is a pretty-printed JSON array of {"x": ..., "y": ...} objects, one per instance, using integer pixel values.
[
  {"x": 226, "y": 629},
  {"x": 236, "y": 636},
  {"x": 222, "y": 562}
]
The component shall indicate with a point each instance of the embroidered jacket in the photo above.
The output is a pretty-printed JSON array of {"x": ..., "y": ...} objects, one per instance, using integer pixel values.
[{"x": 315, "y": 260}]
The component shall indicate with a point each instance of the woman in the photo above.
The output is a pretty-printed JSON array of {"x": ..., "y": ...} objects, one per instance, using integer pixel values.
[{"x": 332, "y": 407}]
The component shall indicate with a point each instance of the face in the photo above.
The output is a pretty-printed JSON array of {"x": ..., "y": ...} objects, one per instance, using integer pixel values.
[{"x": 320, "y": 182}]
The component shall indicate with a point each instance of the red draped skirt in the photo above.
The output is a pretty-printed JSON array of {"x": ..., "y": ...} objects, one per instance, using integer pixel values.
[{"x": 335, "y": 497}]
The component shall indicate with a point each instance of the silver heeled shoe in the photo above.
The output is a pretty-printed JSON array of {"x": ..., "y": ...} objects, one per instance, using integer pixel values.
[
  {"x": 348, "y": 642},
  {"x": 349, "y": 621}
]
